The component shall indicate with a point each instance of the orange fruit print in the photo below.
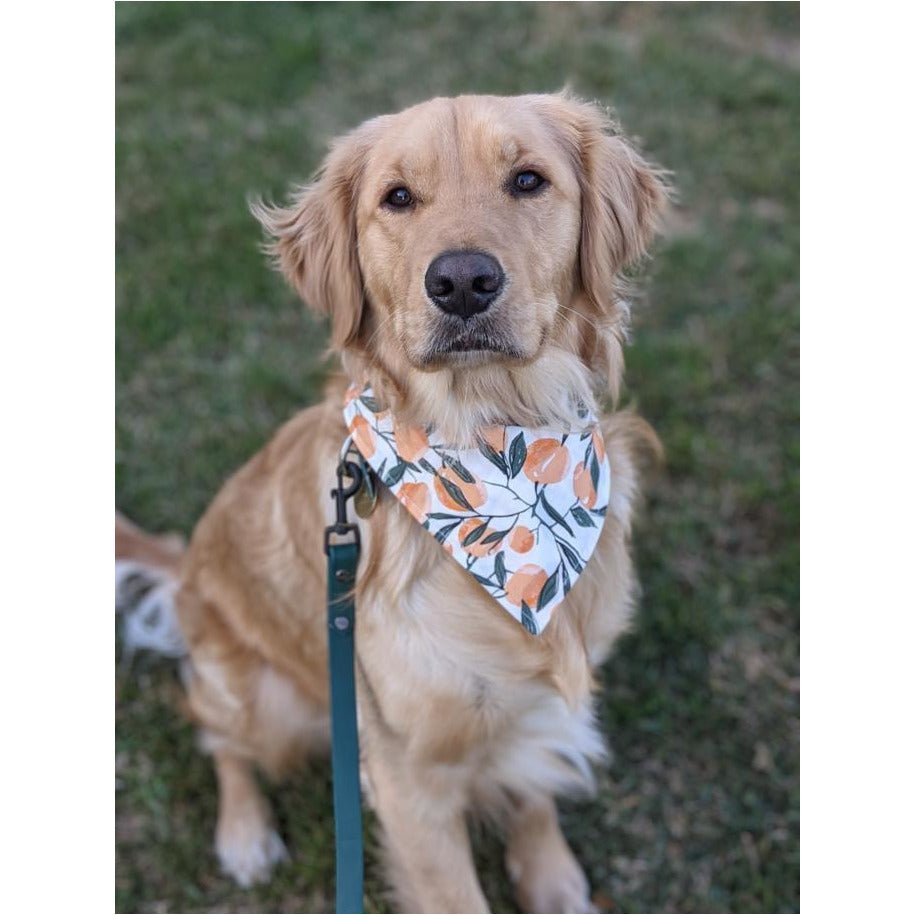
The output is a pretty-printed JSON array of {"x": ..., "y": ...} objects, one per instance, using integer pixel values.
[
  {"x": 477, "y": 548},
  {"x": 494, "y": 436},
  {"x": 599, "y": 449},
  {"x": 547, "y": 461},
  {"x": 526, "y": 585},
  {"x": 583, "y": 486},
  {"x": 521, "y": 539},
  {"x": 417, "y": 499},
  {"x": 411, "y": 441},
  {"x": 474, "y": 493},
  {"x": 363, "y": 435}
]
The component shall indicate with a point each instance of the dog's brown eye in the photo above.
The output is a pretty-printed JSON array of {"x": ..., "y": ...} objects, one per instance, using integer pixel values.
[
  {"x": 400, "y": 197},
  {"x": 527, "y": 182}
]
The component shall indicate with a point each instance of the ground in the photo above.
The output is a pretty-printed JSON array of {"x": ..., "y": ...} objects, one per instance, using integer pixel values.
[{"x": 699, "y": 810}]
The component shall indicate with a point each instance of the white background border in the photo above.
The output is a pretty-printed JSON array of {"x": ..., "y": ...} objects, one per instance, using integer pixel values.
[
  {"x": 857, "y": 468},
  {"x": 858, "y": 340},
  {"x": 57, "y": 409}
]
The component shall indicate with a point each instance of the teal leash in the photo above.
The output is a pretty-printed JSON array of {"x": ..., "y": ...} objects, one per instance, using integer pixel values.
[{"x": 342, "y": 560}]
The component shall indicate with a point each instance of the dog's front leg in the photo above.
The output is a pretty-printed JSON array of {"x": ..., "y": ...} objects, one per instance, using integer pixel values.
[
  {"x": 422, "y": 812},
  {"x": 542, "y": 867}
]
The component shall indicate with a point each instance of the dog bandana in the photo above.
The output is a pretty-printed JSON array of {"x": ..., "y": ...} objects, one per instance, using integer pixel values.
[{"x": 521, "y": 512}]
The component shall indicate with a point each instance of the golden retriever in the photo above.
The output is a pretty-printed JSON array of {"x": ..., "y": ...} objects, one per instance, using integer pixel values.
[{"x": 461, "y": 710}]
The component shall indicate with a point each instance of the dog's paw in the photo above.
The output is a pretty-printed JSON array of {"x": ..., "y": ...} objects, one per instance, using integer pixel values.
[
  {"x": 550, "y": 884},
  {"x": 249, "y": 852}
]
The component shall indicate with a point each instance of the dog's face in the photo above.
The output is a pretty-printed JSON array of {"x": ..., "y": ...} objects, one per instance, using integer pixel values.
[
  {"x": 473, "y": 234},
  {"x": 468, "y": 223}
]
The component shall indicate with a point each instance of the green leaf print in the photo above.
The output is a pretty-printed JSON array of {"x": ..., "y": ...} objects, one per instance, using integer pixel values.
[
  {"x": 474, "y": 535},
  {"x": 582, "y": 517},
  {"x": 595, "y": 470},
  {"x": 549, "y": 590},
  {"x": 495, "y": 536},
  {"x": 454, "y": 491},
  {"x": 450, "y": 461},
  {"x": 553, "y": 513},
  {"x": 395, "y": 474},
  {"x": 441, "y": 535},
  {"x": 500, "y": 569},
  {"x": 493, "y": 456},
  {"x": 571, "y": 556},
  {"x": 527, "y": 619},
  {"x": 517, "y": 454}
]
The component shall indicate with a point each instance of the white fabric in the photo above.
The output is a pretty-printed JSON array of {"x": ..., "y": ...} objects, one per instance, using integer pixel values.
[{"x": 522, "y": 512}]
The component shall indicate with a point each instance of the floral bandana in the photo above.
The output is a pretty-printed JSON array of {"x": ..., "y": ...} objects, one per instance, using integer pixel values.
[{"x": 521, "y": 512}]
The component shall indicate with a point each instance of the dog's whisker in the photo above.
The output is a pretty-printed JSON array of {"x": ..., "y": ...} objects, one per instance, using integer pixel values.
[
  {"x": 566, "y": 310},
  {"x": 384, "y": 323}
]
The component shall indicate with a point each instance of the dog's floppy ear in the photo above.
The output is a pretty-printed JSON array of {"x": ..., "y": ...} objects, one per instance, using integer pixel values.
[
  {"x": 622, "y": 195},
  {"x": 313, "y": 239}
]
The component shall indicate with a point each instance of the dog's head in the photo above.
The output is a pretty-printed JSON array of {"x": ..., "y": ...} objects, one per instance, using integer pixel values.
[{"x": 468, "y": 252}]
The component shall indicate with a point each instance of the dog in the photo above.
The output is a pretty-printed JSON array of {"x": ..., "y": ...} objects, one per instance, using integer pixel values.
[{"x": 469, "y": 253}]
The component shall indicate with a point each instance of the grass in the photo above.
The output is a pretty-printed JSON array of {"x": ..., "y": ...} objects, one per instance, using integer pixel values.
[{"x": 699, "y": 811}]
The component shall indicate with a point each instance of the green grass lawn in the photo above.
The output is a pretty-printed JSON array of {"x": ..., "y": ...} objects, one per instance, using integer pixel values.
[{"x": 699, "y": 811}]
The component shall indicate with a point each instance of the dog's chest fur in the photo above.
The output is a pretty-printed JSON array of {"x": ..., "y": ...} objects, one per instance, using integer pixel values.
[{"x": 451, "y": 677}]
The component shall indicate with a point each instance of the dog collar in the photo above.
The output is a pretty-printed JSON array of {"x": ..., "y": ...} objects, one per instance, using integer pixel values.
[{"x": 521, "y": 512}]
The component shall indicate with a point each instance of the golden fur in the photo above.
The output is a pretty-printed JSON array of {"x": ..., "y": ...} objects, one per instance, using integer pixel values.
[{"x": 461, "y": 710}]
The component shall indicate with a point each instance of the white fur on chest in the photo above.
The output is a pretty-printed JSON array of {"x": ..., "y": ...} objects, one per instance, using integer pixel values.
[
  {"x": 546, "y": 747},
  {"x": 448, "y": 656}
]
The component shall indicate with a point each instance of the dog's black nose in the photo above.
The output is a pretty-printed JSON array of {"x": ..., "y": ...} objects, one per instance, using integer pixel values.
[{"x": 464, "y": 282}]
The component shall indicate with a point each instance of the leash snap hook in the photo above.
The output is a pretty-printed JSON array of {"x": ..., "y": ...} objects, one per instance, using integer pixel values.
[{"x": 341, "y": 495}]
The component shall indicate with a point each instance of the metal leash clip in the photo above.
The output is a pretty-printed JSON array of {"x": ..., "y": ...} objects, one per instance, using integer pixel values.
[{"x": 342, "y": 527}]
